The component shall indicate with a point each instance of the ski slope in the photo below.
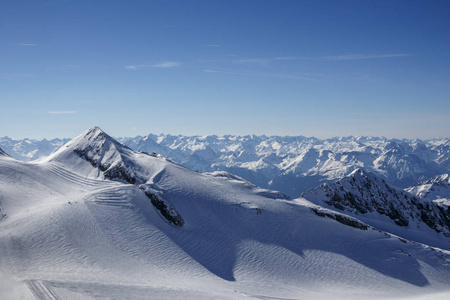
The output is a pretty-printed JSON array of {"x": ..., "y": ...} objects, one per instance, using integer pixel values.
[{"x": 69, "y": 232}]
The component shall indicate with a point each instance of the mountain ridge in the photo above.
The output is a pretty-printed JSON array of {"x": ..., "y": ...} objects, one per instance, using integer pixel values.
[
  {"x": 435, "y": 189},
  {"x": 369, "y": 198},
  {"x": 295, "y": 164}
]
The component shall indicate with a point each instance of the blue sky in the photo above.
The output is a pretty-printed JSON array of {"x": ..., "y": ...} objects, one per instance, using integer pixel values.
[{"x": 281, "y": 67}]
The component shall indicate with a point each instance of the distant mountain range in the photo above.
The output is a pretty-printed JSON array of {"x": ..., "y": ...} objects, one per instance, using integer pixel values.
[
  {"x": 291, "y": 165},
  {"x": 29, "y": 149}
]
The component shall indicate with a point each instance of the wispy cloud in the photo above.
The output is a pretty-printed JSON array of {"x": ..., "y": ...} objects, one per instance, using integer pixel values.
[
  {"x": 73, "y": 66},
  {"x": 167, "y": 64},
  {"x": 253, "y": 61},
  {"x": 363, "y": 56},
  {"x": 137, "y": 67},
  {"x": 297, "y": 76},
  {"x": 163, "y": 65},
  {"x": 286, "y": 58},
  {"x": 25, "y": 44},
  {"x": 210, "y": 45},
  {"x": 63, "y": 112}
]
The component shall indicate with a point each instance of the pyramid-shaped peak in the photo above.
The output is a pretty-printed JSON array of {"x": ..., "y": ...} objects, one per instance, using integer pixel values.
[
  {"x": 97, "y": 154},
  {"x": 95, "y": 137},
  {"x": 93, "y": 144},
  {"x": 94, "y": 132}
]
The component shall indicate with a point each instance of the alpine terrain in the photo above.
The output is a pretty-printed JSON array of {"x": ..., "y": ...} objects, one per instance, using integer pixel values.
[
  {"x": 370, "y": 199},
  {"x": 97, "y": 220},
  {"x": 291, "y": 165},
  {"x": 436, "y": 189}
]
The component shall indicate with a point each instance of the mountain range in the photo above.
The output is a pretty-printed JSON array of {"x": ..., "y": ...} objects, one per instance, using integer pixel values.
[
  {"x": 291, "y": 165},
  {"x": 98, "y": 220}
]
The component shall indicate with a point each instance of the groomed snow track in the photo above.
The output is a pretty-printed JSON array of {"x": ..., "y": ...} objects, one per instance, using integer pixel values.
[
  {"x": 41, "y": 290},
  {"x": 112, "y": 196},
  {"x": 78, "y": 179}
]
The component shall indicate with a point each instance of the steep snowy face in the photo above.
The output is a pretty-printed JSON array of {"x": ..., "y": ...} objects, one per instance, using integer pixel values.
[
  {"x": 436, "y": 189},
  {"x": 96, "y": 150},
  {"x": 370, "y": 198}
]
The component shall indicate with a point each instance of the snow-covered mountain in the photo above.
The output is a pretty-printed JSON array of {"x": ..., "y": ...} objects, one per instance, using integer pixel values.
[
  {"x": 290, "y": 164},
  {"x": 96, "y": 220},
  {"x": 294, "y": 164},
  {"x": 370, "y": 199},
  {"x": 436, "y": 189},
  {"x": 28, "y": 149}
]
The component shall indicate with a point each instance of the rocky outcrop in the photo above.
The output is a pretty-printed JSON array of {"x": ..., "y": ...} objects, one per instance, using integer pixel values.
[{"x": 362, "y": 193}]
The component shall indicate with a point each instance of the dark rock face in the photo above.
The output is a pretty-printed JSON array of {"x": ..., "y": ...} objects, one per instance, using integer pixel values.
[
  {"x": 362, "y": 192},
  {"x": 166, "y": 210},
  {"x": 341, "y": 219},
  {"x": 3, "y": 153},
  {"x": 115, "y": 172}
]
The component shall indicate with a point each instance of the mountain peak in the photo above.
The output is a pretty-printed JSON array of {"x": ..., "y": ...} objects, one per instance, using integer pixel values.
[
  {"x": 359, "y": 171},
  {"x": 95, "y": 139},
  {"x": 435, "y": 189},
  {"x": 362, "y": 175},
  {"x": 368, "y": 197},
  {"x": 96, "y": 154},
  {"x": 443, "y": 179},
  {"x": 94, "y": 133}
]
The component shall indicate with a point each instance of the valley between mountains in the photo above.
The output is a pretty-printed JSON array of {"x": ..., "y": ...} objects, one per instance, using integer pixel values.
[{"x": 104, "y": 218}]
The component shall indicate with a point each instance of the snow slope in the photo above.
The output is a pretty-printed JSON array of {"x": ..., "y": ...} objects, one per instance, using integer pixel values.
[
  {"x": 372, "y": 200},
  {"x": 436, "y": 189},
  {"x": 76, "y": 228}
]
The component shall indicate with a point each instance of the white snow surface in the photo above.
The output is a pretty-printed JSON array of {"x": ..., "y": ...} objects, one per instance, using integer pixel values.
[
  {"x": 68, "y": 232},
  {"x": 436, "y": 189}
]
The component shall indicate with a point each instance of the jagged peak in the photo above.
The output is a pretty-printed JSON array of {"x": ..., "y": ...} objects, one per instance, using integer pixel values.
[
  {"x": 443, "y": 179},
  {"x": 361, "y": 193},
  {"x": 358, "y": 171},
  {"x": 361, "y": 173}
]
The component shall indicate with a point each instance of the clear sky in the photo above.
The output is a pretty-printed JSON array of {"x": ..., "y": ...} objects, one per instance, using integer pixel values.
[{"x": 274, "y": 67}]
